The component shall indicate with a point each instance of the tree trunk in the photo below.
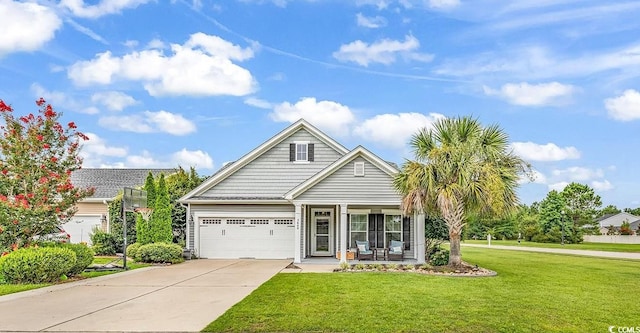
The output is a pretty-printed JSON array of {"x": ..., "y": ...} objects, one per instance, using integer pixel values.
[{"x": 455, "y": 258}]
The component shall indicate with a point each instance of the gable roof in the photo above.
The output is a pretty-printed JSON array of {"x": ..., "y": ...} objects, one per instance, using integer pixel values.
[
  {"x": 326, "y": 172},
  {"x": 617, "y": 219},
  {"x": 108, "y": 182},
  {"x": 261, "y": 149}
]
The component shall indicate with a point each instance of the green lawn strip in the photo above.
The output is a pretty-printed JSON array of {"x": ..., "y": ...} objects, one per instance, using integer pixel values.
[
  {"x": 610, "y": 247},
  {"x": 533, "y": 292},
  {"x": 6, "y": 289}
]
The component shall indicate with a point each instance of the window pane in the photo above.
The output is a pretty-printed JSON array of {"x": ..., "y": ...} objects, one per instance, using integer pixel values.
[
  {"x": 393, "y": 223},
  {"x": 301, "y": 152},
  {"x": 359, "y": 222},
  {"x": 360, "y": 236},
  {"x": 396, "y": 236}
]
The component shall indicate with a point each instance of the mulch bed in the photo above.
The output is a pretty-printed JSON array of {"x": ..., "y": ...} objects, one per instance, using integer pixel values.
[{"x": 466, "y": 270}]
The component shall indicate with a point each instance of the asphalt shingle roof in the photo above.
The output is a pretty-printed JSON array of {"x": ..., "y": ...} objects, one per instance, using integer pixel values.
[{"x": 108, "y": 182}]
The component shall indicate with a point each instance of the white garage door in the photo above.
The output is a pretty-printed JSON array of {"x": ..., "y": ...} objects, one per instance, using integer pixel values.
[
  {"x": 251, "y": 237},
  {"x": 79, "y": 227}
]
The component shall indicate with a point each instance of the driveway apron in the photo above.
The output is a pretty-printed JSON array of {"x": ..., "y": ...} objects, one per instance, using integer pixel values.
[{"x": 177, "y": 298}]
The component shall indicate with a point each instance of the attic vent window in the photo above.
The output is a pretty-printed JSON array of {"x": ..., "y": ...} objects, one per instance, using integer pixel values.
[
  {"x": 301, "y": 151},
  {"x": 358, "y": 169}
]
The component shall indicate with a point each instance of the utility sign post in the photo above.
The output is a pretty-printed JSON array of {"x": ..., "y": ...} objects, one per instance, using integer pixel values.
[{"x": 132, "y": 200}]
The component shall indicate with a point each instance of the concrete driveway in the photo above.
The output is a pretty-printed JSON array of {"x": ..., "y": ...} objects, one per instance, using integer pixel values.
[{"x": 184, "y": 298}]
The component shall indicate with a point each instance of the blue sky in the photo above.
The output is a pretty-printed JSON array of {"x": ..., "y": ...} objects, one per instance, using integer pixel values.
[{"x": 199, "y": 82}]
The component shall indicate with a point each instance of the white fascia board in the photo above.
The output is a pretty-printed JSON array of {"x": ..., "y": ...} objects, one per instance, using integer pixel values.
[
  {"x": 264, "y": 147},
  {"x": 237, "y": 202}
]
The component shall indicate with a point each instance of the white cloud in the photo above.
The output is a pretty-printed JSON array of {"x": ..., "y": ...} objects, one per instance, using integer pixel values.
[
  {"x": 95, "y": 150},
  {"x": 394, "y": 130},
  {"x": 150, "y": 122},
  {"x": 530, "y": 151},
  {"x": 625, "y": 107},
  {"x": 559, "y": 186},
  {"x": 26, "y": 26},
  {"x": 384, "y": 51},
  {"x": 579, "y": 174},
  {"x": 184, "y": 158},
  {"x": 103, "y": 7},
  {"x": 98, "y": 146},
  {"x": 333, "y": 117},
  {"x": 379, "y": 4},
  {"x": 113, "y": 100},
  {"x": 258, "y": 103},
  {"x": 444, "y": 4},
  {"x": 552, "y": 93},
  {"x": 171, "y": 123},
  {"x": 62, "y": 100},
  {"x": 201, "y": 67},
  {"x": 602, "y": 186},
  {"x": 371, "y": 22},
  {"x": 538, "y": 62},
  {"x": 538, "y": 178},
  {"x": 195, "y": 158}
]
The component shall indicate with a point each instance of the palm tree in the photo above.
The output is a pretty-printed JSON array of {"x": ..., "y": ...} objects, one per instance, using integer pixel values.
[{"x": 460, "y": 167}]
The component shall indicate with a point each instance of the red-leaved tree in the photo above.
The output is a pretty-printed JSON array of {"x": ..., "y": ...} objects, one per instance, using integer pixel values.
[{"x": 37, "y": 156}]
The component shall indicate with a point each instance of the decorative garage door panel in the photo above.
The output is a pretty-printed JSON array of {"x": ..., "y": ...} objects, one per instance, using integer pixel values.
[{"x": 246, "y": 237}]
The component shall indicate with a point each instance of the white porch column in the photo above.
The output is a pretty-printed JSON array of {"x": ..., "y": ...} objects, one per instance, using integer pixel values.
[
  {"x": 420, "y": 241},
  {"x": 298, "y": 234},
  {"x": 343, "y": 233}
]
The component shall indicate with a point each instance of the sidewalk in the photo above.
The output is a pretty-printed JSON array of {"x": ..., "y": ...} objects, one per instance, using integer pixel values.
[{"x": 589, "y": 253}]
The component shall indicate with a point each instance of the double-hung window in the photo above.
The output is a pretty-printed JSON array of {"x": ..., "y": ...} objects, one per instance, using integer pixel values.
[
  {"x": 393, "y": 228},
  {"x": 358, "y": 228},
  {"x": 301, "y": 151}
]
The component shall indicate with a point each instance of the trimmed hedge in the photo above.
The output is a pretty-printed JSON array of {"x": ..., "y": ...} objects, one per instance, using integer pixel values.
[
  {"x": 104, "y": 243},
  {"x": 84, "y": 255},
  {"x": 440, "y": 258},
  {"x": 132, "y": 250},
  {"x": 159, "y": 253},
  {"x": 37, "y": 265}
]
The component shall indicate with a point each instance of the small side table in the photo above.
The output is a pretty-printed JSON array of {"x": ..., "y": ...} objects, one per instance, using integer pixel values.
[{"x": 384, "y": 253}]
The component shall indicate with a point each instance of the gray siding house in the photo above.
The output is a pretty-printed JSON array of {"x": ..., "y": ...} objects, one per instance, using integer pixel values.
[{"x": 300, "y": 195}]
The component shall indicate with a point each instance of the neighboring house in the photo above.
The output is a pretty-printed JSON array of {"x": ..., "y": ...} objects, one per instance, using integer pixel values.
[
  {"x": 93, "y": 211},
  {"x": 616, "y": 221},
  {"x": 300, "y": 194}
]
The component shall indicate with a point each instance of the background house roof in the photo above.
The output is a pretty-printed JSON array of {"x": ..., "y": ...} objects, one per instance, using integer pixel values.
[{"x": 108, "y": 182}]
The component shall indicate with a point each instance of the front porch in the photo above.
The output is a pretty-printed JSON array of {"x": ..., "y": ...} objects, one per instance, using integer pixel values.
[
  {"x": 336, "y": 262},
  {"x": 327, "y": 234}
]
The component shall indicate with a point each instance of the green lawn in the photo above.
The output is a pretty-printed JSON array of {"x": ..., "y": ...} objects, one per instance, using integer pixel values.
[
  {"x": 533, "y": 292},
  {"x": 6, "y": 289},
  {"x": 582, "y": 246}
]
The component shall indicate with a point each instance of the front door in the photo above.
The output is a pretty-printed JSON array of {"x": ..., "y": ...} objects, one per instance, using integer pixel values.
[{"x": 321, "y": 232}]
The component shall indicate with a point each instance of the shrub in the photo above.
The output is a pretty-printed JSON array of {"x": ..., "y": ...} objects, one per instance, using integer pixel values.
[
  {"x": 409, "y": 267},
  {"x": 344, "y": 266},
  {"x": 159, "y": 253},
  {"x": 37, "y": 265},
  {"x": 360, "y": 267},
  {"x": 104, "y": 243},
  {"x": 132, "y": 250},
  {"x": 84, "y": 256},
  {"x": 440, "y": 258}
]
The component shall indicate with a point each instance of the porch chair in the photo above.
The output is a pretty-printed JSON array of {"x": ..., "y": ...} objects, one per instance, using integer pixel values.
[
  {"x": 396, "y": 250},
  {"x": 363, "y": 250}
]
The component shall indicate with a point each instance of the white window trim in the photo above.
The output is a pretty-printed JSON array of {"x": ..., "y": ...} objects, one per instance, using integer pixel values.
[
  {"x": 351, "y": 232},
  {"x": 401, "y": 232},
  {"x": 306, "y": 143},
  {"x": 357, "y": 165}
]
